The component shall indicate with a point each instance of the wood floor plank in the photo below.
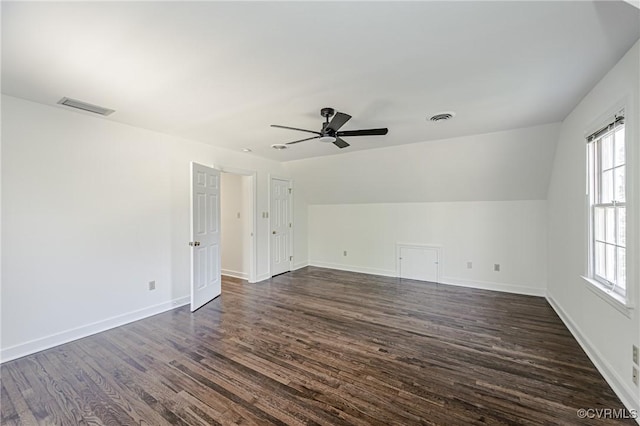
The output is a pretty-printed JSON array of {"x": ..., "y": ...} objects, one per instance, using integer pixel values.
[
  {"x": 115, "y": 390},
  {"x": 19, "y": 411},
  {"x": 320, "y": 347}
]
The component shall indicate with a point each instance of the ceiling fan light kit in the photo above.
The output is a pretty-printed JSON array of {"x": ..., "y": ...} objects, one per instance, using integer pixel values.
[
  {"x": 327, "y": 138},
  {"x": 330, "y": 130}
]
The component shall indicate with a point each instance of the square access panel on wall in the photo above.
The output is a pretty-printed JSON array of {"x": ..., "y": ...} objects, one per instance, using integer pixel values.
[{"x": 419, "y": 262}]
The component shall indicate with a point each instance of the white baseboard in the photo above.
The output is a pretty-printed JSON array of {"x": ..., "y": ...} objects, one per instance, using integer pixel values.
[
  {"x": 493, "y": 286},
  {"x": 351, "y": 268},
  {"x": 262, "y": 277},
  {"x": 300, "y": 265},
  {"x": 508, "y": 288},
  {"x": 235, "y": 274},
  {"x": 624, "y": 392},
  {"x": 37, "y": 345}
]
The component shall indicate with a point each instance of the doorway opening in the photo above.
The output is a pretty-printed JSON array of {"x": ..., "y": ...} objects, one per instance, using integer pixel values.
[{"x": 238, "y": 224}]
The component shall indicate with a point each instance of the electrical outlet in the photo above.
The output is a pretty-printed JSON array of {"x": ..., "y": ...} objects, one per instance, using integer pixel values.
[
  {"x": 496, "y": 267},
  {"x": 469, "y": 265},
  {"x": 635, "y": 355},
  {"x": 634, "y": 376},
  {"x": 152, "y": 285},
  {"x": 344, "y": 253}
]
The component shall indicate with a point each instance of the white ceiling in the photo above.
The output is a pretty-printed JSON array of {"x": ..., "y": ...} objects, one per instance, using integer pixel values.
[{"x": 222, "y": 72}]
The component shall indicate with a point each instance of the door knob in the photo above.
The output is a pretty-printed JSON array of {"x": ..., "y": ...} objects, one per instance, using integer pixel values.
[
  {"x": 274, "y": 232},
  {"x": 194, "y": 243}
]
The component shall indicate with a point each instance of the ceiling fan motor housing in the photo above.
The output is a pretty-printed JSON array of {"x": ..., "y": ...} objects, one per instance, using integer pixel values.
[{"x": 327, "y": 112}]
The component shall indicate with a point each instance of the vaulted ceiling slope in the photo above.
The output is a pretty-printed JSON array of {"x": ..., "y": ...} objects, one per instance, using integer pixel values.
[
  {"x": 222, "y": 72},
  {"x": 502, "y": 166}
]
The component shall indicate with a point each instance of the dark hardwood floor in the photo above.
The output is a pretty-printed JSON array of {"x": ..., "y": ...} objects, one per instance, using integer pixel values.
[{"x": 318, "y": 346}]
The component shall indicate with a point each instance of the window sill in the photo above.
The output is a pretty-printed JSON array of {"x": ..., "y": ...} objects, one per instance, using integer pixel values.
[{"x": 609, "y": 296}]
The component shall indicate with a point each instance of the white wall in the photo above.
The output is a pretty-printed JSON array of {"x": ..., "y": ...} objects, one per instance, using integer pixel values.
[
  {"x": 480, "y": 197},
  {"x": 236, "y": 223},
  {"x": 511, "y": 233},
  {"x": 301, "y": 233},
  {"x": 92, "y": 210},
  {"x": 605, "y": 333}
]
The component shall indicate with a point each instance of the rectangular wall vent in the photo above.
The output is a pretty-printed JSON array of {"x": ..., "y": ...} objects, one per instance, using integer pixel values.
[{"x": 85, "y": 106}]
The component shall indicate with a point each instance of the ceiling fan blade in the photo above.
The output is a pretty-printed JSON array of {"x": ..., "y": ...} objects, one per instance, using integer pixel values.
[
  {"x": 340, "y": 143},
  {"x": 295, "y": 128},
  {"x": 302, "y": 140},
  {"x": 366, "y": 132},
  {"x": 338, "y": 121}
]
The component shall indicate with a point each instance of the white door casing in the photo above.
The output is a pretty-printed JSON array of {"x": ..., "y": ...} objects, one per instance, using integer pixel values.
[
  {"x": 280, "y": 224},
  {"x": 205, "y": 235},
  {"x": 419, "y": 262}
]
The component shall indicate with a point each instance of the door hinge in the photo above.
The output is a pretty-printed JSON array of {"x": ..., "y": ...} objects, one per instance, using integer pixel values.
[
  {"x": 289, "y": 190},
  {"x": 289, "y": 225},
  {"x": 290, "y": 258}
]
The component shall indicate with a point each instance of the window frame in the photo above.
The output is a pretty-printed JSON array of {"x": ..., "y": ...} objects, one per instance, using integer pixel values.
[
  {"x": 601, "y": 285},
  {"x": 596, "y": 171}
]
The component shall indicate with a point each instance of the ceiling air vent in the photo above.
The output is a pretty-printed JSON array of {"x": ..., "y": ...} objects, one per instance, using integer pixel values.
[
  {"x": 443, "y": 116},
  {"x": 85, "y": 106}
]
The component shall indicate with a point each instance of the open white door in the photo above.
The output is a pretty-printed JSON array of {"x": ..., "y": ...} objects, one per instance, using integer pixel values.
[
  {"x": 205, "y": 235},
  {"x": 280, "y": 226}
]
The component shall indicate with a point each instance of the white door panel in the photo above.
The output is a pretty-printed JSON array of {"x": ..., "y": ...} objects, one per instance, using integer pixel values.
[
  {"x": 205, "y": 234},
  {"x": 280, "y": 226}
]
